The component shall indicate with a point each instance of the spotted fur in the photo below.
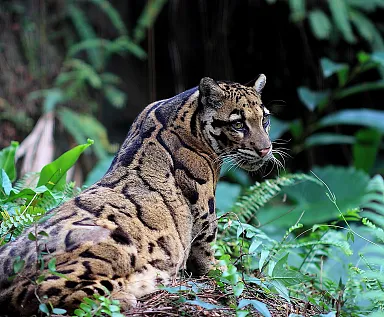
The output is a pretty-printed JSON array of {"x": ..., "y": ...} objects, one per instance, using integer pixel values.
[{"x": 153, "y": 213}]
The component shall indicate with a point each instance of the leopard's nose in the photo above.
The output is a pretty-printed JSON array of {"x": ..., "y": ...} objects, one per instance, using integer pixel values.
[{"x": 264, "y": 152}]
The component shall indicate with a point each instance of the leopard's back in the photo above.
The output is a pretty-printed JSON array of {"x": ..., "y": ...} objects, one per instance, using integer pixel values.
[{"x": 153, "y": 213}]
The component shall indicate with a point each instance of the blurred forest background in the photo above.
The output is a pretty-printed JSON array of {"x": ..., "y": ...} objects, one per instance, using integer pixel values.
[{"x": 70, "y": 70}]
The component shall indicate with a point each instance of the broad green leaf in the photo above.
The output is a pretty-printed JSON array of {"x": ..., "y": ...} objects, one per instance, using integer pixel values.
[
  {"x": 362, "y": 117},
  {"x": 53, "y": 174},
  {"x": 242, "y": 313},
  {"x": 278, "y": 128},
  {"x": 366, "y": 5},
  {"x": 297, "y": 10},
  {"x": 44, "y": 308},
  {"x": 331, "y": 314},
  {"x": 98, "y": 171},
  {"x": 18, "y": 264},
  {"x": 311, "y": 99},
  {"x": 29, "y": 194},
  {"x": 340, "y": 15},
  {"x": 238, "y": 176},
  {"x": 5, "y": 183},
  {"x": 359, "y": 88},
  {"x": 363, "y": 25},
  {"x": 365, "y": 149},
  {"x": 238, "y": 289},
  {"x": 296, "y": 128},
  {"x": 329, "y": 67},
  {"x": 59, "y": 311},
  {"x": 175, "y": 290},
  {"x": 31, "y": 236},
  {"x": 328, "y": 138},
  {"x": 311, "y": 198},
  {"x": 320, "y": 24},
  {"x": 259, "y": 306},
  {"x": 52, "y": 265},
  {"x": 254, "y": 245},
  {"x": 263, "y": 257},
  {"x": 281, "y": 289},
  {"x": 201, "y": 303},
  {"x": 7, "y": 160},
  {"x": 378, "y": 57},
  {"x": 226, "y": 195},
  {"x": 286, "y": 276}
]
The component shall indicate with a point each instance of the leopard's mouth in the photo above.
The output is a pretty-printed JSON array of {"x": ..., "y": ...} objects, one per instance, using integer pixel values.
[{"x": 252, "y": 166}]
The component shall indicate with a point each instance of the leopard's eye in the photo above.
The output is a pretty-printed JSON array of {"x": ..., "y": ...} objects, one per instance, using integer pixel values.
[
  {"x": 266, "y": 121},
  {"x": 238, "y": 125}
]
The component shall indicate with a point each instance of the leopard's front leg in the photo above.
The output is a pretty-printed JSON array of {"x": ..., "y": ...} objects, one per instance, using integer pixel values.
[{"x": 204, "y": 232}]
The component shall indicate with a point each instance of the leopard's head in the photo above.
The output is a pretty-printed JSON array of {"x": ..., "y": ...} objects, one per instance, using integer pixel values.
[{"x": 235, "y": 122}]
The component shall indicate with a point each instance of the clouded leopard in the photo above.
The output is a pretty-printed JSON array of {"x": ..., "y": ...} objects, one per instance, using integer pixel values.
[{"x": 153, "y": 213}]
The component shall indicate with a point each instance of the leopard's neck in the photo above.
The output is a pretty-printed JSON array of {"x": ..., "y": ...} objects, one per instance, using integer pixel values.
[{"x": 173, "y": 127}]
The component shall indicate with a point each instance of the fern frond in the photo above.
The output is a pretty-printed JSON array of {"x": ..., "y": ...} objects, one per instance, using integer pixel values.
[
  {"x": 13, "y": 225},
  {"x": 85, "y": 72},
  {"x": 27, "y": 181},
  {"x": 69, "y": 191},
  {"x": 147, "y": 18},
  {"x": 86, "y": 32},
  {"x": 343, "y": 245},
  {"x": 123, "y": 44},
  {"x": 112, "y": 14},
  {"x": 260, "y": 193},
  {"x": 373, "y": 201},
  {"x": 378, "y": 232},
  {"x": 82, "y": 126}
]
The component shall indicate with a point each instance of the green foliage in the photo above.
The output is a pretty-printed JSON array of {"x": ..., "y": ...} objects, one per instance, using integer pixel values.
[
  {"x": 330, "y": 20},
  {"x": 301, "y": 263},
  {"x": 147, "y": 18},
  {"x": 308, "y": 200},
  {"x": 259, "y": 194},
  {"x": 54, "y": 174},
  {"x": 7, "y": 161},
  {"x": 24, "y": 204},
  {"x": 365, "y": 142},
  {"x": 80, "y": 77},
  {"x": 81, "y": 125},
  {"x": 99, "y": 306}
]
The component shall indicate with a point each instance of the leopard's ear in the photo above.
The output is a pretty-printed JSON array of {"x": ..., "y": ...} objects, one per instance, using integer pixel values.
[
  {"x": 260, "y": 83},
  {"x": 210, "y": 93}
]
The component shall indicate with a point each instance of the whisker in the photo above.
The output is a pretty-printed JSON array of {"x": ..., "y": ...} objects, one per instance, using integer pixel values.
[{"x": 273, "y": 165}]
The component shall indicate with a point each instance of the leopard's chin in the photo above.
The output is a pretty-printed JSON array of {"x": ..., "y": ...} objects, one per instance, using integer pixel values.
[{"x": 252, "y": 167}]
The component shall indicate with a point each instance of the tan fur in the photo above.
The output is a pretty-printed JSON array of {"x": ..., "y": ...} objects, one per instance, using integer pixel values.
[{"x": 153, "y": 212}]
